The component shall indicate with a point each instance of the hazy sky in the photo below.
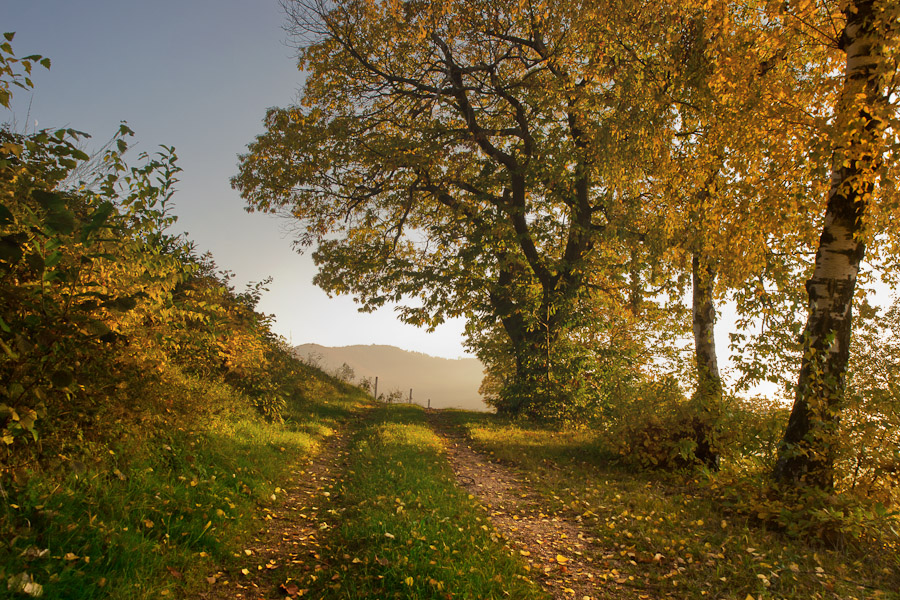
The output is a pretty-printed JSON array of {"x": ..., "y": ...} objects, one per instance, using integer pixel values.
[{"x": 197, "y": 75}]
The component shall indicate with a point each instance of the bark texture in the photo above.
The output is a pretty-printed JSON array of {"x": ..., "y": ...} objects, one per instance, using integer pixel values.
[
  {"x": 806, "y": 455},
  {"x": 709, "y": 383}
]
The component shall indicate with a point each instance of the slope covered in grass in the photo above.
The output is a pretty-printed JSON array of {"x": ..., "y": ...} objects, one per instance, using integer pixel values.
[{"x": 146, "y": 508}]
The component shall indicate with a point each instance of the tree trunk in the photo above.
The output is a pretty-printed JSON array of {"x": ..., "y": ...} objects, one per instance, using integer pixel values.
[
  {"x": 806, "y": 454},
  {"x": 708, "y": 396},
  {"x": 505, "y": 307}
]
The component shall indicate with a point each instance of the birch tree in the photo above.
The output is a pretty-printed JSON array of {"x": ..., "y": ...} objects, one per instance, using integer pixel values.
[
  {"x": 730, "y": 176},
  {"x": 865, "y": 129}
]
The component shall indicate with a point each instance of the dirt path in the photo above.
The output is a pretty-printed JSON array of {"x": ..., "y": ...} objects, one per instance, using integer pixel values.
[
  {"x": 562, "y": 555},
  {"x": 288, "y": 545}
]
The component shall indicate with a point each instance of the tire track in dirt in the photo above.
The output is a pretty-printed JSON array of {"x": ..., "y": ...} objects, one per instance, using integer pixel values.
[
  {"x": 561, "y": 553},
  {"x": 288, "y": 546}
]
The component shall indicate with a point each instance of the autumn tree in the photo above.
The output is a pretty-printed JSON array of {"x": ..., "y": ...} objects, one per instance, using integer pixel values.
[
  {"x": 856, "y": 214},
  {"x": 728, "y": 179},
  {"x": 464, "y": 154}
]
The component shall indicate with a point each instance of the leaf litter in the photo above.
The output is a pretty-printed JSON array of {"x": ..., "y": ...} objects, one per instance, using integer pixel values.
[
  {"x": 562, "y": 555},
  {"x": 290, "y": 540}
]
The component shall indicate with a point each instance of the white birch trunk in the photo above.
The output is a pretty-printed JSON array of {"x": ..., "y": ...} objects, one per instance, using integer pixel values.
[{"x": 806, "y": 454}]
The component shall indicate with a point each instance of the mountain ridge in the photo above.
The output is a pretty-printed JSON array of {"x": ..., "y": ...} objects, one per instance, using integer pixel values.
[{"x": 446, "y": 382}]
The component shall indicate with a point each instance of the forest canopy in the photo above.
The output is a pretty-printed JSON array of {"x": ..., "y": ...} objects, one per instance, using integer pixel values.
[{"x": 563, "y": 174}]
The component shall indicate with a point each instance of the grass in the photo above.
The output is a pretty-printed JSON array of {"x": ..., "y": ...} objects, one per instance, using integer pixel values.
[
  {"x": 170, "y": 491},
  {"x": 673, "y": 533},
  {"x": 147, "y": 508},
  {"x": 406, "y": 530}
]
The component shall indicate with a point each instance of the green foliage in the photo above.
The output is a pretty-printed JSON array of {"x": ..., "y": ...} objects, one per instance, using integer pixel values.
[
  {"x": 10, "y": 76},
  {"x": 80, "y": 268},
  {"x": 755, "y": 427},
  {"x": 839, "y": 521},
  {"x": 868, "y": 459},
  {"x": 215, "y": 331},
  {"x": 563, "y": 381},
  {"x": 94, "y": 286},
  {"x": 655, "y": 426},
  {"x": 132, "y": 376},
  {"x": 581, "y": 376}
]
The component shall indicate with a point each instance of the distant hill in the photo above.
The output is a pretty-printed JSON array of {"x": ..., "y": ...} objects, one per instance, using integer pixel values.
[{"x": 449, "y": 383}]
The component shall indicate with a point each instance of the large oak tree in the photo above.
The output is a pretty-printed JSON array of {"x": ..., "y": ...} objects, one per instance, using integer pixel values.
[{"x": 470, "y": 155}]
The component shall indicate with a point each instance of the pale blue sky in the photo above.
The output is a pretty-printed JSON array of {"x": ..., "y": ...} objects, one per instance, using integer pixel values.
[{"x": 197, "y": 75}]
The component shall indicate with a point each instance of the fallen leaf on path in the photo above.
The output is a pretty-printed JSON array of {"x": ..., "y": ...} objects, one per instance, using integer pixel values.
[{"x": 291, "y": 589}]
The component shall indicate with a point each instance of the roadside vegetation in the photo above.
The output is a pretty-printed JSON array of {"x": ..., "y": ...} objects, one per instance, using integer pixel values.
[{"x": 146, "y": 408}]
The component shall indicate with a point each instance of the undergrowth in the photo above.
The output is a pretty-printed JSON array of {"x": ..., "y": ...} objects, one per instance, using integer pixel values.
[{"x": 694, "y": 534}]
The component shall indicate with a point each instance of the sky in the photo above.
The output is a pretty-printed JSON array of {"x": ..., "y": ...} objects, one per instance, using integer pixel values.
[{"x": 197, "y": 75}]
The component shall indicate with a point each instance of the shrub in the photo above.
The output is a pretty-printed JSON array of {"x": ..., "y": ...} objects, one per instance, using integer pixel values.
[{"x": 655, "y": 426}]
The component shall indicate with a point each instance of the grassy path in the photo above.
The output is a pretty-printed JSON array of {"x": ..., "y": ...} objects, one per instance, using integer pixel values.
[
  {"x": 563, "y": 555},
  {"x": 289, "y": 542},
  {"x": 378, "y": 514},
  {"x": 404, "y": 503}
]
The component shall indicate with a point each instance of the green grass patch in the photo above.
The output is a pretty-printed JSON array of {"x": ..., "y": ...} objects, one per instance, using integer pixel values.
[
  {"x": 676, "y": 533},
  {"x": 405, "y": 529},
  {"x": 148, "y": 507}
]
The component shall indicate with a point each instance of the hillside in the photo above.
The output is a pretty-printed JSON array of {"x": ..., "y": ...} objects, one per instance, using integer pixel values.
[{"x": 448, "y": 383}]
